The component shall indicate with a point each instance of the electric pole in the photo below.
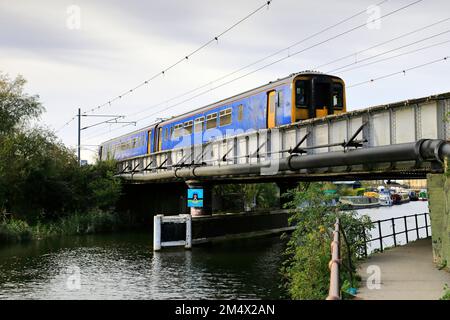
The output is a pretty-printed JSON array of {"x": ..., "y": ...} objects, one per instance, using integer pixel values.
[{"x": 79, "y": 136}]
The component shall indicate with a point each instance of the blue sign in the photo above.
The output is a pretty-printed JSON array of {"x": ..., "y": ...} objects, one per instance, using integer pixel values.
[{"x": 195, "y": 198}]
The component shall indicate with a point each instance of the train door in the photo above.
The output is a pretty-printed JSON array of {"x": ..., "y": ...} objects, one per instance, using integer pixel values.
[
  {"x": 149, "y": 141},
  {"x": 322, "y": 98},
  {"x": 159, "y": 138},
  {"x": 271, "y": 109}
]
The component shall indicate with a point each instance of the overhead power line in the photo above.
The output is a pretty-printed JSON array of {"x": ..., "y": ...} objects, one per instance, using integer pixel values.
[
  {"x": 355, "y": 54},
  {"x": 395, "y": 56},
  {"x": 286, "y": 49},
  {"x": 164, "y": 71},
  {"x": 399, "y": 72},
  {"x": 263, "y": 67},
  {"x": 391, "y": 50}
]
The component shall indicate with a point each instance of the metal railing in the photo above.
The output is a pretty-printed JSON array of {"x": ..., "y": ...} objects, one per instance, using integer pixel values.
[
  {"x": 396, "y": 232},
  {"x": 334, "y": 292},
  {"x": 336, "y": 261}
]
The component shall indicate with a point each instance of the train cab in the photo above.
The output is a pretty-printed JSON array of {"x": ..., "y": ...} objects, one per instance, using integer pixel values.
[{"x": 317, "y": 95}]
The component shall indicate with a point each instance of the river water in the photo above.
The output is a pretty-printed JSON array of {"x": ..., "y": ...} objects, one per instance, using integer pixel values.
[{"x": 123, "y": 266}]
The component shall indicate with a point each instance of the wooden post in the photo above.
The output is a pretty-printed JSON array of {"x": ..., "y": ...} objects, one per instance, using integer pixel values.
[
  {"x": 188, "y": 232},
  {"x": 157, "y": 232}
]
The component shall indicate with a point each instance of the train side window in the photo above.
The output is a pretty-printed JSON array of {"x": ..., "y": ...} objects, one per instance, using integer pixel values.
[
  {"x": 225, "y": 117},
  {"x": 302, "y": 93},
  {"x": 198, "y": 124},
  {"x": 171, "y": 133},
  {"x": 211, "y": 121},
  {"x": 188, "y": 127},
  {"x": 338, "y": 96},
  {"x": 177, "y": 130},
  {"x": 280, "y": 99},
  {"x": 166, "y": 134},
  {"x": 240, "y": 112}
]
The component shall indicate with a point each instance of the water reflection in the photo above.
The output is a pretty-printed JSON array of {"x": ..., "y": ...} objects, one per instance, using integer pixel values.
[{"x": 124, "y": 267}]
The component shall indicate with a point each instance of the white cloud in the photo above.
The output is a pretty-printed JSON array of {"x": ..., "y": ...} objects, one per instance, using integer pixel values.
[{"x": 121, "y": 44}]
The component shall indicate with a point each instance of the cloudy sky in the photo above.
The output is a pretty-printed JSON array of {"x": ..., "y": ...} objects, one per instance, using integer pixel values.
[{"x": 82, "y": 53}]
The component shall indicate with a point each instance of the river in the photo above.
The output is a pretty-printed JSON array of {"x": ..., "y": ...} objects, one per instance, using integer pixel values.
[{"x": 123, "y": 266}]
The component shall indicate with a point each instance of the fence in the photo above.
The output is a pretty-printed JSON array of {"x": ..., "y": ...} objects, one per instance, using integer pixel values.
[{"x": 402, "y": 227}]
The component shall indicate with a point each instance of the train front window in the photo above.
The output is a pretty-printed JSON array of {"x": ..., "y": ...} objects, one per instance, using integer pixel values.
[
  {"x": 302, "y": 93},
  {"x": 338, "y": 96},
  {"x": 321, "y": 94}
]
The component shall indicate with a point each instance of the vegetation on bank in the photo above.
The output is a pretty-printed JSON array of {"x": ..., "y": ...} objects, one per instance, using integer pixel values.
[
  {"x": 15, "y": 230},
  {"x": 247, "y": 197},
  {"x": 446, "y": 295},
  {"x": 43, "y": 190},
  {"x": 305, "y": 270}
]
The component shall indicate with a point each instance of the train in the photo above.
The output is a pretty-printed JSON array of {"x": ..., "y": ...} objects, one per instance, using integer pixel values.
[{"x": 295, "y": 98}]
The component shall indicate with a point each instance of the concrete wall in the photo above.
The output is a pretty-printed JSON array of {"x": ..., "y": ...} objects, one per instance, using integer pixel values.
[
  {"x": 229, "y": 224},
  {"x": 142, "y": 201},
  {"x": 439, "y": 204}
]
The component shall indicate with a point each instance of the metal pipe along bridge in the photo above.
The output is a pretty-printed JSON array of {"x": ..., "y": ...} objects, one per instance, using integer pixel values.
[{"x": 399, "y": 140}]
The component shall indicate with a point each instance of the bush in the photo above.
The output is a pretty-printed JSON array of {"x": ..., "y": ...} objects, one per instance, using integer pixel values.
[
  {"x": 305, "y": 270},
  {"x": 95, "y": 221},
  {"x": 91, "y": 222},
  {"x": 446, "y": 295},
  {"x": 15, "y": 230}
]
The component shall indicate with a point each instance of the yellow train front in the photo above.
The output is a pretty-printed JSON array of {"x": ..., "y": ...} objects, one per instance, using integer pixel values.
[
  {"x": 298, "y": 97},
  {"x": 317, "y": 95}
]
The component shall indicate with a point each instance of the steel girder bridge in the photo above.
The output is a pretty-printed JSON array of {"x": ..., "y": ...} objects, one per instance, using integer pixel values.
[{"x": 407, "y": 139}]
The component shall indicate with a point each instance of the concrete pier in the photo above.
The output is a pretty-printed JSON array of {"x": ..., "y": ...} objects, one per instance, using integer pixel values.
[
  {"x": 439, "y": 204},
  {"x": 206, "y": 209}
]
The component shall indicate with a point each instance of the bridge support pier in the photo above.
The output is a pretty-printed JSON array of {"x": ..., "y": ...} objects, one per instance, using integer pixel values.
[
  {"x": 206, "y": 209},
  {"x": 284, "y": 187},
  {"x": 439, "y": 205}
]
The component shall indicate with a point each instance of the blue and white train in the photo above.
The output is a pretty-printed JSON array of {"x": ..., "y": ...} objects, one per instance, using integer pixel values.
[{"x": 298, "y": 97}]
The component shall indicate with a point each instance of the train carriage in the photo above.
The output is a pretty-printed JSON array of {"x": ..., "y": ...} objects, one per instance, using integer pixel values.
[{"x": 298, "y": 97}]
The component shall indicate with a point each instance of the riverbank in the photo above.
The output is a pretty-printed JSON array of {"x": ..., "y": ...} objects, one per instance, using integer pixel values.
[{"x": 96, "y": 221}]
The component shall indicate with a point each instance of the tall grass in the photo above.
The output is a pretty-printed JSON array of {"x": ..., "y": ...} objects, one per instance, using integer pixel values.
[
  {"x": 15, "y": 230},
  {"x": 97, "y": 221}
]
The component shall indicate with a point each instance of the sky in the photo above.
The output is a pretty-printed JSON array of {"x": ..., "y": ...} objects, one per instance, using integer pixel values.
[{"x": 83, "y": 53}]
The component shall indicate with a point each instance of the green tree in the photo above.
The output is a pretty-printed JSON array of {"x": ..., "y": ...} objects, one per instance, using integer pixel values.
[
  {"x": 40, "y": 178},
  {"x": 306, "y": 270},
  {"x": 16, "y": 107}
]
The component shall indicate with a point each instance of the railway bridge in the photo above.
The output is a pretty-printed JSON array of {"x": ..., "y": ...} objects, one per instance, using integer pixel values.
[
  {"x": 399, "y": 140},
  {"x": 402, "y": 140},
  {"x": 406, "y": 139}
]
